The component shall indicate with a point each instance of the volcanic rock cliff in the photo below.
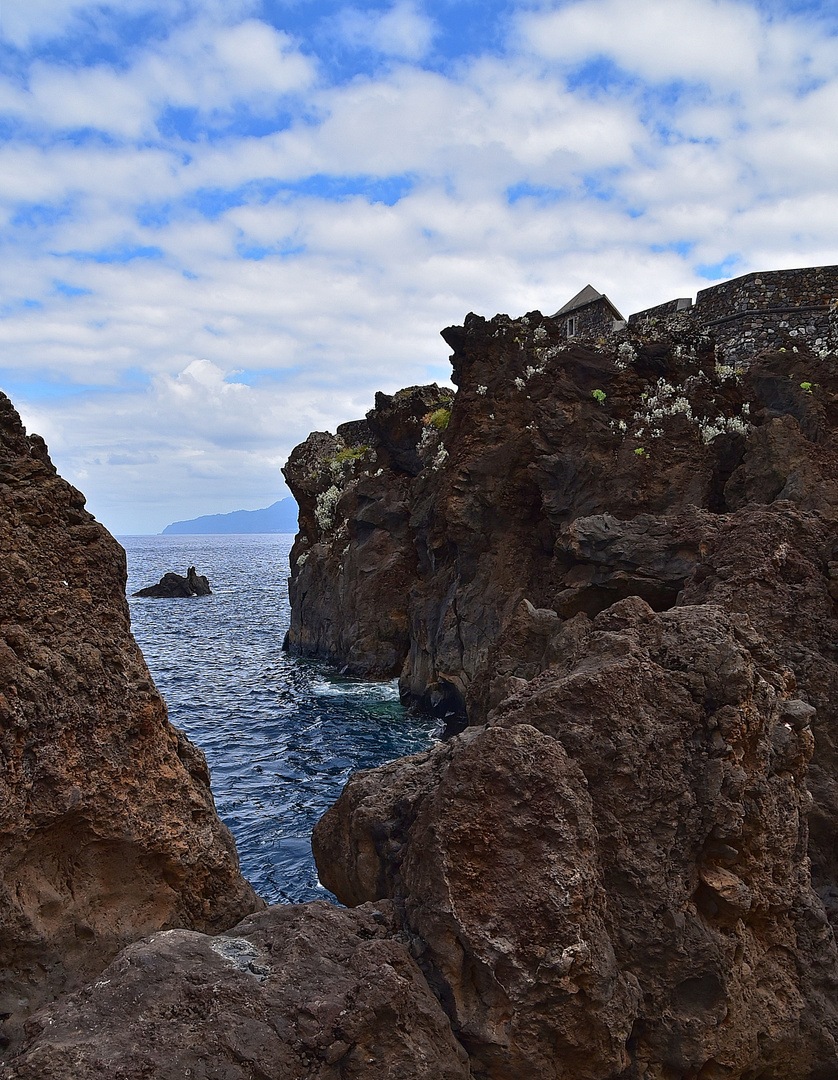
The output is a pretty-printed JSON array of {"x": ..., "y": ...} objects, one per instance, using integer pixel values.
[
  {"x": 618, "y": 565},
  {"x": 108, "y": 829}
]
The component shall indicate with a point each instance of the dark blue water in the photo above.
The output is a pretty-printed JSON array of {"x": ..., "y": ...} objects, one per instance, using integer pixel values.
[{"x": 281, "y": 735}]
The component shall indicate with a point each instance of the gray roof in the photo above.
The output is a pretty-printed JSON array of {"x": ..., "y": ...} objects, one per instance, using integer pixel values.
[{"x": 584, "y": 297}]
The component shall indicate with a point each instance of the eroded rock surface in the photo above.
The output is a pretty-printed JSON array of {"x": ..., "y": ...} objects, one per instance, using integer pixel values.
[
  {"x": 298, "y": 992},
  {"x": 610, "y": 879},
  {"x": 108, "y": 829},
  {"x": 625, "y": 563},
  {"x": 353, "y": 562}
]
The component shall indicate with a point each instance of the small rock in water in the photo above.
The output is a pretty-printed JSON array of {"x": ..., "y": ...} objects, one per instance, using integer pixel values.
[{"x": 171, "y": 585}]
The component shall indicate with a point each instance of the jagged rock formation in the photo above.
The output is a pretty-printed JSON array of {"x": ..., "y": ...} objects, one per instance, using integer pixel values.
[
  {"x": 353, "y": 561},
  {"x": 618, "y": 564},
  {"x": 175, "y": 585},
  {"x": 624, "y": 564},
  {"x": 610, "y": 878},
  {"x": 298, "y": 992},
  {"x": 108, "y": 829}
]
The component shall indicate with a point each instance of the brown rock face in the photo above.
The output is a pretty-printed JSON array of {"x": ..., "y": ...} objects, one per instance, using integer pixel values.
[
  {"x": 624, "y": 577},
  {"x": 610, "y": 879},
  {"x": 108, "y": 829},
  {"x": 308, "y": 992}
]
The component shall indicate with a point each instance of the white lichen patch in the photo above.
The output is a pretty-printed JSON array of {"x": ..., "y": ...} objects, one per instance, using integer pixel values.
[
  {"x": 539, "y": 334},
  {"x": 625, "y": 355},
  {"x": 429, "y": 438},
  {"x": 519, "y": 382},
  {"x": 325, "y": 508},
  {"x": 440, "y": 459},
  {"x": 730, "y": 425},
  {"x": 665, "y": 400},
  {"x": 481, "y": 390}
]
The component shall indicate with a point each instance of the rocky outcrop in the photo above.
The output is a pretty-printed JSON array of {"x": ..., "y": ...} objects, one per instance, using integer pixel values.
[
  {"x": 610, "y": 878},
  {"x": 108, "y": 829},
  {"x": 625, "y": 560},
  {"x": 353, "y": 562},
  {"x": 309, "y": 992},
  {"x": 175, "y": 585}
]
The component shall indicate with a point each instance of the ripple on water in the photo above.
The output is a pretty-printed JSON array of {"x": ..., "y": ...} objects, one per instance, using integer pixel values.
[{"x": 281, "y": 735}]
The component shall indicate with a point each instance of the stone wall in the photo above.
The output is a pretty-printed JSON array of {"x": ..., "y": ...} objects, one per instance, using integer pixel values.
[
  {"x": 777, "y": 309},
  {"x": 659, "y": 311},
  {"x": 771, "y": 310}
]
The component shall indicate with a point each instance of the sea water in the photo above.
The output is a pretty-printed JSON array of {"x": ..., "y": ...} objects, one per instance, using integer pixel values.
[{"x": 281, "y": 735}]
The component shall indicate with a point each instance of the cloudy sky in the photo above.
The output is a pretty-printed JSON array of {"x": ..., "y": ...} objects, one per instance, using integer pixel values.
[{"x": 226, "y": 223}]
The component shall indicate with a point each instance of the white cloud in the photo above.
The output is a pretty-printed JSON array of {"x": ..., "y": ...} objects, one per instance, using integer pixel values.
[
  {"x": 203, "y": 66},
  {"x": 402, "y": 32},
  {"x": 210, "y": 363},
  {"x": 24, "y": 24},
  {"x": 696, "y": 40}
]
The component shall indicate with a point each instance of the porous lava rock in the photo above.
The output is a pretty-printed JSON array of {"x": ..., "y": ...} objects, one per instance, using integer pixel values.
[
  {"x": 609, "y": 879},
  {"x": 625, "y": 576},
  {"x": 301, "y": 992},
  {"x": 108, "y": 829},
  {"x": 173, "y": 585},
  {"x": 353, "y": 562}
]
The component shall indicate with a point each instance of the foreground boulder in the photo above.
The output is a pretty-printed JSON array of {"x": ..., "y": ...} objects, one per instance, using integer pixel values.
[
  {"x": 175, "y": 585},
  {"x": 308, "y": 992},
  {"x": 610, "y": 878},
  {"x": 108, "y": 830}
]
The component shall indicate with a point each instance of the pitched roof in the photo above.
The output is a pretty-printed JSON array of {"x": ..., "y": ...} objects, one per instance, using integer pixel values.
[{"x": 584, "y": 297}]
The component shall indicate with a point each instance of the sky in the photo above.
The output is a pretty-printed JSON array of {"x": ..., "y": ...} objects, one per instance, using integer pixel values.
[{"x": 227, "y": 224}]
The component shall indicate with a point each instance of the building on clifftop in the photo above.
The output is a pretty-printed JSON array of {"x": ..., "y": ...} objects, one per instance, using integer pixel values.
[{"x": 589, "y": 314}]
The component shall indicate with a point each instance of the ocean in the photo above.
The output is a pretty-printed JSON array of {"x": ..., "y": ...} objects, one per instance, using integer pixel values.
[{"x": 281, "y": 735}]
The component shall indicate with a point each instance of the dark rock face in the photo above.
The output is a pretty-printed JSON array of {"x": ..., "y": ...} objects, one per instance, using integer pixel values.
[
  {"x": 353, "y": 562},
  {"x": 309, "y": 992},
  {"x": 174, "y": 585},
  {"x": 624, "y": 578},
  {"x": 108, "y": 829}
]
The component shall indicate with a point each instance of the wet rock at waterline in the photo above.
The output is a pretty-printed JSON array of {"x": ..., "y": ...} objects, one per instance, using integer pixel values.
[
  {"x": 173, "y": 585},
  {"x": 108, "y": 829}
]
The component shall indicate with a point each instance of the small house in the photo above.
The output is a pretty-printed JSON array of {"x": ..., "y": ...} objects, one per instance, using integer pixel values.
[{"x": 589, "y": 314}]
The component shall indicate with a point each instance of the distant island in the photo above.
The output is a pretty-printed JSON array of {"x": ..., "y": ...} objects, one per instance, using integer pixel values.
[{"x": 281, "y": 517}]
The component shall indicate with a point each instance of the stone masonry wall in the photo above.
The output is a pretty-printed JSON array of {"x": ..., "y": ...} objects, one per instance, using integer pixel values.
[
  {"x": 593, "y": 321},
  {"x": 761, "y": 311},
  {"x": 659, "y": 311}
]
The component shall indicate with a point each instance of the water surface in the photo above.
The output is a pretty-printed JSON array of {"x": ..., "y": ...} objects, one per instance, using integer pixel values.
[{"x": 281, "y": 735}]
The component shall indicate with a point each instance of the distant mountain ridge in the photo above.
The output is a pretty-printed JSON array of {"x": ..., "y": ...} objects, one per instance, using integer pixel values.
[{"x": 280, "y": 517}]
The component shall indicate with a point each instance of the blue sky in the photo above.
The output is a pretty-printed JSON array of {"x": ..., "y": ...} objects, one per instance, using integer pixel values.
[{"x": 225, "y": 224}]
